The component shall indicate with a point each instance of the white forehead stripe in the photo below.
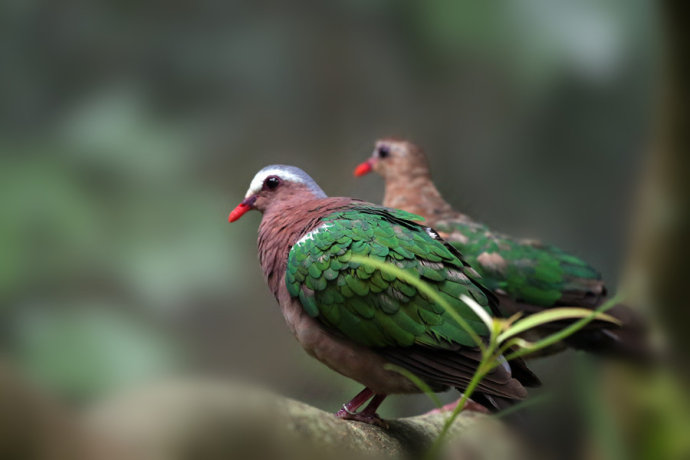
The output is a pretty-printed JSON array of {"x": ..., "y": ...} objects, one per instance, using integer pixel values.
[
  {"x": 287, "y": 174},
  {"x": 258, "y": 181}
]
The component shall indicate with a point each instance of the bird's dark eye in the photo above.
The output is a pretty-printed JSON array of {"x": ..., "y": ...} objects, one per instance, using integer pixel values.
[
  {"x": 383, "y": 151},
  {"x": 272, "y": 182}
]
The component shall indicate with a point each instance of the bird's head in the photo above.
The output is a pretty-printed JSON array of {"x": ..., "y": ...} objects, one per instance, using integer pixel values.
[
  {"x": 273, "y": 185},
  {"x": 395, "y": 159}
]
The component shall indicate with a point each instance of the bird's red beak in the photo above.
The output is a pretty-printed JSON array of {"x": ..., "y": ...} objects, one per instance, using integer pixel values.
[
  {"x": 364, "y": 168},
  {"x": 246, "y": 205}
]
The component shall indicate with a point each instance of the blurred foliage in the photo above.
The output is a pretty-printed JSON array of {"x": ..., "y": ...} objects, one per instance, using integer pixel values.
[
  {"x": 129, "y": 130},
  {"x": 80, "y": 354}
]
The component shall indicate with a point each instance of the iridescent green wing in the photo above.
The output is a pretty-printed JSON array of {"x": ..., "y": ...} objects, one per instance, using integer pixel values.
[
  {"x": 525, "y": 270},
  {"x": 374, "y": 307}
]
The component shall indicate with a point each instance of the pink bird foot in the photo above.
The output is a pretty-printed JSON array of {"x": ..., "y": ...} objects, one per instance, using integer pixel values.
[
  {"x": 469, "y": 405},
  {"x": 371, "y": 419},
  {"x": 368, "y": 415}
]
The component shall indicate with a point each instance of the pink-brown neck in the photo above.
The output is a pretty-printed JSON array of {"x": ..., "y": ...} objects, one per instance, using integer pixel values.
[
  {"x": 409, "y": 187},
  {"x": 283, "y": 225},
  {"x": 417, "y": 194}
]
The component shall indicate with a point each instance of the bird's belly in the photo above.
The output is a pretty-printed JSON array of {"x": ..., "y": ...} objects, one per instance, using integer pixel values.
[{"x": 344, "y": 356}]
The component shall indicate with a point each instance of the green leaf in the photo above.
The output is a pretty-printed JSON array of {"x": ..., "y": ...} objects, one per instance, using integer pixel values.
[
  {"x": 563, "y": 333},
  {"x": 550, "y": 315},
  {"x": 479, "y": 311}
]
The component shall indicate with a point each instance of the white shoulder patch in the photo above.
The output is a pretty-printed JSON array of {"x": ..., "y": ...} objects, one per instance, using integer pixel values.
[
  {"x": 432, "y": 233},
  {"x": 310, "y": 235}
]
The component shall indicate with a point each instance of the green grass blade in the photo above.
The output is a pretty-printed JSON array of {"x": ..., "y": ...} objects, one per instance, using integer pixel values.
[
  {"x": 479, "y": 311},
  {"x": 550, "y": 315},
  {"x": 515, "y": 341},
  {"x": 563, "y": 333}
]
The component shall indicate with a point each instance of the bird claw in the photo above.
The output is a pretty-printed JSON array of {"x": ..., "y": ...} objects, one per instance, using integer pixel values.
[{"x": 371, "y": 419}]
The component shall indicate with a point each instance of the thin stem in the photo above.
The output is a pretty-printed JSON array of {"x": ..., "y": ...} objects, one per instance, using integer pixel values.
[
  {"x": 563, "y": 333},
  {"x": 484, "y": 367}
]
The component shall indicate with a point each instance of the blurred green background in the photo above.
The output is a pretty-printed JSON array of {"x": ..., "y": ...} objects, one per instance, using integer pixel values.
[{"x": 129, "y": 130}]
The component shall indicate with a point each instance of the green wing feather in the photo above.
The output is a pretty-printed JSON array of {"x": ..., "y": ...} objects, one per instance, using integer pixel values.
[
  {"x": 525, "y": 270},
  {"x": 373, "y": 307}
]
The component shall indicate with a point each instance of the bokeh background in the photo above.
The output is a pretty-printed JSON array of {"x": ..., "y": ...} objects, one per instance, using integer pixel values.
[{"x": 129, "y": 130}]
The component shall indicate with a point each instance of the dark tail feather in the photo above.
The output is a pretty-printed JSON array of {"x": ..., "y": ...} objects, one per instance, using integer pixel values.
[
  {"x": 629, "y": 341},
  {"x": 493, "y": 403},
  {"x": 519, "y": 370}
]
